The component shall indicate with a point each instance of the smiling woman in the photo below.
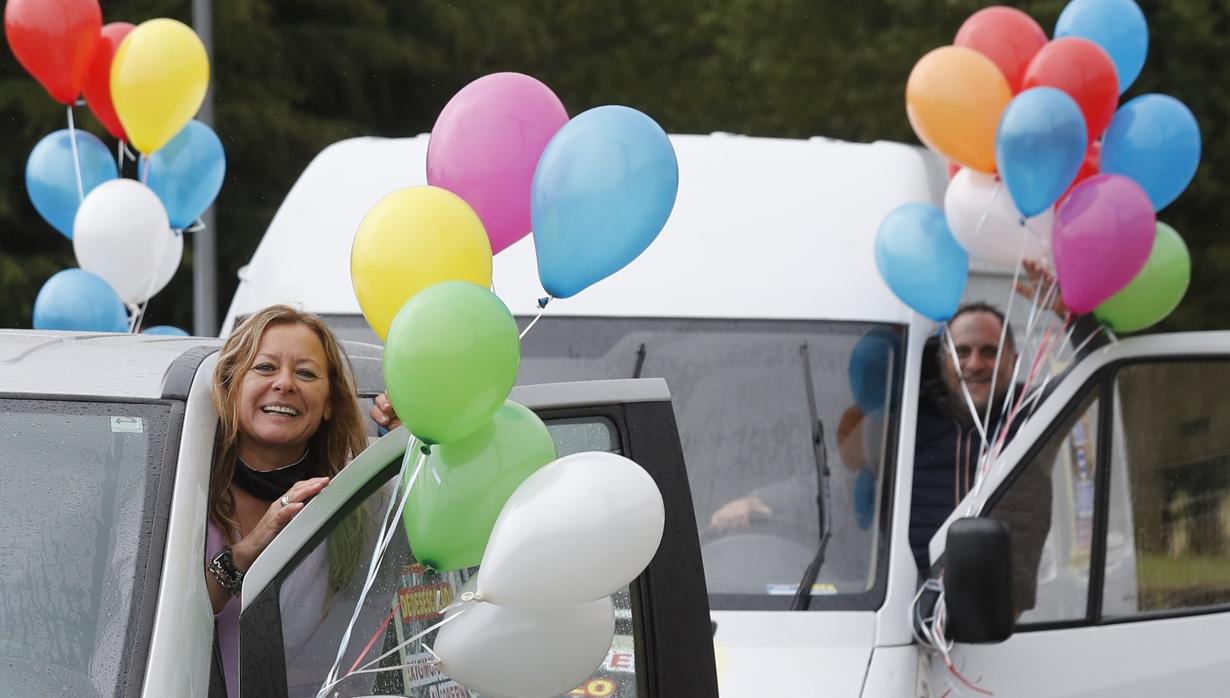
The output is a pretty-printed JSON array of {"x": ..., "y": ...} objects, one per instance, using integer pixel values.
[{"x": 288, "y": 422}]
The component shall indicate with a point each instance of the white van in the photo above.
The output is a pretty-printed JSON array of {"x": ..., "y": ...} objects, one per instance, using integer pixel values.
[{"x": 758, "y": 305}]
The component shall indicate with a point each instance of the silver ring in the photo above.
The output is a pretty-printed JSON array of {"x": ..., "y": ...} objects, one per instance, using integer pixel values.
[{"x": 285, "y": 499}]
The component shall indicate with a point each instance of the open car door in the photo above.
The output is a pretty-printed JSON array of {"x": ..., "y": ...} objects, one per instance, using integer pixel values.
[{"x": 300, "y": 595}]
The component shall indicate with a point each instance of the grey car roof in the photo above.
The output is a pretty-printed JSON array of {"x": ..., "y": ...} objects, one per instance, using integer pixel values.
[{"x": 126, "y": 366}]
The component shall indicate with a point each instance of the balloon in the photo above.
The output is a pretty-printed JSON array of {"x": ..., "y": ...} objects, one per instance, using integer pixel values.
[
  {"x": 1103, "y": 235},
  {"x": 486, "y": 144},
  {"x": 450, "y": 360},
  {"x": 954, "y": 99},
  {"x": 920, "y": 260},
  {"x": 850, "y": 439},
  {"x": 54, "y": 41},
  {"x": 75, "y": 299},
  {"x": 1091, "y": 165},
  {"x": 1156, "y": 290},
  {"x": 411, "y": 239},
  {"x": 159, "y": 76},
  {"x": 865, "y": 498},
  {"x": 602, "y": 191},
  {"x": 870, "y": 362},
  {"x": 1118, "y": 26},
  {"x": 577, "y": 530},
  {"x": 187, "y": 173},
  {"x": 1083, "y": 70},
  {"x": 505, "y": 652},
  {"x": 98, "y": 79},
  {"x": 985, "y": 221},
  {"x": 51, "y": 178},
  {"x": 165, "y": 331},
  {"x": 121, "y": 234},
  {"x": 449, "y": 521},
  {"x": 1155, "y": 140},
  {"x": 1039, "y": 148},
  {"x": 1009, "y": 37},
  {"x": 168, "y": 262}
]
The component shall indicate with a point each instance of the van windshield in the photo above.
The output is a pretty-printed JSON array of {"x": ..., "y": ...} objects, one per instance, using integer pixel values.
[
  {"x": 78, "y": 482},
  {"x": 749, "y": 397}
]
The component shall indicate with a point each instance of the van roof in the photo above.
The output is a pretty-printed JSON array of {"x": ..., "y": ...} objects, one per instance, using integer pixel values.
[{"x": 762, "y": 228}]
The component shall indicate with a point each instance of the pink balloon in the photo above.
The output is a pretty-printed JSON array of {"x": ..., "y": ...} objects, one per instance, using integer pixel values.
[
  {"x": 1103, "y": 236},
  {"x": 486, "y": 144}
]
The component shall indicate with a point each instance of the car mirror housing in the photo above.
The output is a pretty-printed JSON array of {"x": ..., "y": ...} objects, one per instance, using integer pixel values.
[{"x": 978, "y": 581}]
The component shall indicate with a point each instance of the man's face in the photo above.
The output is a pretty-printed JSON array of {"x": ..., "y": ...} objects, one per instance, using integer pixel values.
[{"x": 976, "y": 336}]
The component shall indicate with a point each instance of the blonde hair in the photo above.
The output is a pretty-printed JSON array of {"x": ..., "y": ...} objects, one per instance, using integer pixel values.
[{"x": 340, "y": 438}]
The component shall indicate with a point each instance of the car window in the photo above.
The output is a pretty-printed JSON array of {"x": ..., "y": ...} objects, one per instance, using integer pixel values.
[
  {"x": 78, "y": 486},
  {"x": 318, "y": 596},
  {"x": 1048, "y": 507},
  {"x": 1168, "y": 546}
]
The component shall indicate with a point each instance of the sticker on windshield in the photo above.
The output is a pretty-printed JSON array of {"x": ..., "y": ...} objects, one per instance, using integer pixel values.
[
  {"x": 126, "y": 425},
  {"x": 817, "y": 589}
]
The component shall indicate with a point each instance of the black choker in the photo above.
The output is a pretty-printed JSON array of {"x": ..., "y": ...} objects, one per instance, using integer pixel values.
[{"x": 268, "y": 485}]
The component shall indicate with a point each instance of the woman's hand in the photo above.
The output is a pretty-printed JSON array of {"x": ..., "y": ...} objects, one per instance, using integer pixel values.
[
  {"x": 382, "y": 413},
  {"x": 275, "y": 519}
]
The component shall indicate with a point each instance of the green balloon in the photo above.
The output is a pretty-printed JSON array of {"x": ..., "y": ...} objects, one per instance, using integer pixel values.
[
  {"x": 1155, "y": 291},
  {"x": 450, "y": 360},
  {"x": 449, "y": 521}
]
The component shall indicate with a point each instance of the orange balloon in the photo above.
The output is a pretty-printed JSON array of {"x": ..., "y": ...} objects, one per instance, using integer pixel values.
[
  {"x": 954, "y": 99},
  {"x": 850, "y": 439}
]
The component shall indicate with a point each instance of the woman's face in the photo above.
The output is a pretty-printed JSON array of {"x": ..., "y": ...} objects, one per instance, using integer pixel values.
[{"x": 283, "y": 397}]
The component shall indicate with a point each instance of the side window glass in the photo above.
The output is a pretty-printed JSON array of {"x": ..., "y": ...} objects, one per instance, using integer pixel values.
[
  {"x": 1049, "y": 512},
  {"x": 319, "y": 595},
  {"x": 1168, "y": 543}
]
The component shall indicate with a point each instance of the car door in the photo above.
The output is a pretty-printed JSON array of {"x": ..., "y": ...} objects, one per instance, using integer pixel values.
[
  {"x": 1118, "y": 511},
  {"x": 296, "y": 605}
]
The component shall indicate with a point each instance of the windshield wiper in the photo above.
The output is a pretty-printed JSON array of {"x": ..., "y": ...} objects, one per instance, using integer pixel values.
[
  {"x": 640, "y": 361},
  {"x": 802, "y": 595}
]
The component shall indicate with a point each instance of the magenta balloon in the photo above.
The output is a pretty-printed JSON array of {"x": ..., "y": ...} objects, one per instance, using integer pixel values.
[
  {"x": 1103, "y": 236},
  {"x": 486, "y": 144}
]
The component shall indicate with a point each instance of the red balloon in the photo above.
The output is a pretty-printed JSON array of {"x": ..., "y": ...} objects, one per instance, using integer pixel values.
[
  {"x": 953, "y": 169},
  {"x": 98, "y": 78},
  {"x": 1085, "y": 71},
  {"x": 1009, "y": 37},
  {"x": 1091, "y": 166},
  {"x": 54, "y": 41}
]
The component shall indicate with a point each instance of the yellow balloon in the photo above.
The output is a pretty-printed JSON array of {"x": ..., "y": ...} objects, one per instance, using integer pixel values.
[
  {"x": 158, "y": 80},
  {"x": 954, "y": 99},
  {"x": 411, "y": 239}
]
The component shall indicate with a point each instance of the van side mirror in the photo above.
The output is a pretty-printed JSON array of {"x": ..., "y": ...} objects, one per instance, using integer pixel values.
[{"x": 978, "y": 581}]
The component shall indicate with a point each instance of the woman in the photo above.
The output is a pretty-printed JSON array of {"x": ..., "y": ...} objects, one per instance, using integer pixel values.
[{"x": 288, "y": 422}]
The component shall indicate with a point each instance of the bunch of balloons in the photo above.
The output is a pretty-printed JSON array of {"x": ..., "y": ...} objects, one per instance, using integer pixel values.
[
  {"x": 504, "y": 160},
  {"x": 144, "y": 83},
  {"x": 1048, "y": 165}
]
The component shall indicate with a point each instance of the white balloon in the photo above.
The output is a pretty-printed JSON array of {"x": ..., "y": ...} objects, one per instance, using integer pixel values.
[
  {"x": 507, "y": 652},
  {"x": 168, "y": 264},
  {"x": 578, "y": 529},
  {"x": 985, "y": 220},
  {"x": 121, "y": 233}
]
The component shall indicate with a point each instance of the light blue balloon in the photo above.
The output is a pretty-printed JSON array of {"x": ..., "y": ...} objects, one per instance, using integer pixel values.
[
  {"x": 865, "y": 498},
  {"x": 1155, "y": 140},
  {"x": 75, "y": 299},
  {"x": 51, "y": 177},
  {"x": 187, "y": 173},
  {"x": 921, "y": 261},
  {"x": 165, "y": 330},
  {"x": 1039, "y": 147},
  {"x": 1118, "y": 26},
  {"x": 603, "y": 189},
  {"x": 868, "y": 368}
]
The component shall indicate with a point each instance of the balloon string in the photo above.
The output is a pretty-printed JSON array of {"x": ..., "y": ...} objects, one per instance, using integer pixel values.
[
  {"x": 72, "y": 140},
  {"x": 383, "y": 540},
  {"x": 986, "y": 211},
  {"x": 969, "y": 400},
  {"x": 542, "y": 308},
  {"x": 197, "y": 226},
  {"x": 369, "y": 669},
  {"x": 143, "y": 168},
  {"x": 119, "y": 157}
]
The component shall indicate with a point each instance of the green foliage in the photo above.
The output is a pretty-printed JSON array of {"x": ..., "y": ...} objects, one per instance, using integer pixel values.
[{"x": 292, "y": 76}]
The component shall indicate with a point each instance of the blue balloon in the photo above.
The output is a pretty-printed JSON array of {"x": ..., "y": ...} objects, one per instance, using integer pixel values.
[
  {"x": 75, "y": 299},
  {"x": 921, "y": 261},
  {"x": 51, "y": 178},
  {"x": 868, "y": 369},
  {"x": 1039, "y": 147},
  {"x": 165, "y": 330},
  {"x": 603, "y": 189},
  {"x": 1155, "y": 140},
  {"x": 187, "y": 173},
  {"x": 1118, "y": 26},
  {"x": 865, "y": 498}
]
